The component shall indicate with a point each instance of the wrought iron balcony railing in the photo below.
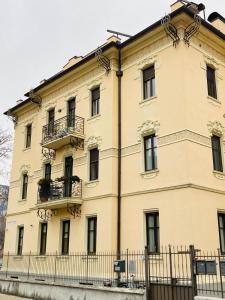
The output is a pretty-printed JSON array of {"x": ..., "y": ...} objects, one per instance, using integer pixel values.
[
  {"x": 60, "y": 189},
  {"x": 68, "y": 125}
]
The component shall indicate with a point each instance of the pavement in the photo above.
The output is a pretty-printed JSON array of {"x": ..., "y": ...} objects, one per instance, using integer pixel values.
[{"x": 6, "y": 297}]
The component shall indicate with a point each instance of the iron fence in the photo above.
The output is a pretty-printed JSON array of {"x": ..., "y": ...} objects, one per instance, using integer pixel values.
[{"x": 173, "y": 273}]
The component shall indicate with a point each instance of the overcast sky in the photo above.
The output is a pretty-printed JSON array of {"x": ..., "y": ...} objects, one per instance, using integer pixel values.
[{"x": 37, "y": 37}]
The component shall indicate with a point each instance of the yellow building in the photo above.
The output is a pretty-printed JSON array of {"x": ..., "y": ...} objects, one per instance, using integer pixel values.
[{"x": 125, "y": 146}]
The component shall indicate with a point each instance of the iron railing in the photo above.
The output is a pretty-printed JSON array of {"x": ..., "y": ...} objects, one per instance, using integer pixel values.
[
  {"x": 176, "y": 273},
  {"x": 62, "y": 127},
  {"x": 60, "y": 189}
]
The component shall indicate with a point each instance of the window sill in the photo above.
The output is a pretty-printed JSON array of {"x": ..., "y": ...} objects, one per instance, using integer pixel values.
[
  {"x": 22, "y": 201},
  {"x": 219, "y": 175},
  {"x": 96, "y": 117},
  {"x": 150, "y": 174},
  {"x": 92, "y": 183},
  {"x": 26, "y": 149},
  {"x": 213, "y": 100},
  {"x": 148, "y": 100},
  {"x": 18, "y": 257}
]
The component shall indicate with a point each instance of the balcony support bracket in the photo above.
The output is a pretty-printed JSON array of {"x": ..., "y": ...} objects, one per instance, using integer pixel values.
[
  {"x": 77, "y": 143},
  {"x": 48, "y": 153},
  {"x": 74, "y": 210},
  {"x": 170, "y": 30},
  {"x": 46, "y": 214},
  {"x": 192, "y": 29}
]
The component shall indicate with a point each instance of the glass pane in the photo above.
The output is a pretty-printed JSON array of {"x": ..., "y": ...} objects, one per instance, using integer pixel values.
[
  {"x": 152, "y": 240},
  {"x": 91, "y": 241},
  {"x": 151, "y": 221},
  {"x": 222, "y": 240},
  {"x": 221, "y": 221},
  {"x": 153, "y": 87},
  {"x": 148, "y": 160}
]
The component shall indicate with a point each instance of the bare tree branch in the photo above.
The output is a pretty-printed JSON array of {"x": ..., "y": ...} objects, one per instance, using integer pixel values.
[{"x": 5, "y": 143}]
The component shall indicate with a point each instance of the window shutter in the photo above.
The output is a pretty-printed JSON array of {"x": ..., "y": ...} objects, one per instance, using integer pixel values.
[{"x": 149, "y": 73}]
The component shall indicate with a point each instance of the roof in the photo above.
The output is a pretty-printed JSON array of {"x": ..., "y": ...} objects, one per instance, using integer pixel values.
[{"x": 118, "y": 45}]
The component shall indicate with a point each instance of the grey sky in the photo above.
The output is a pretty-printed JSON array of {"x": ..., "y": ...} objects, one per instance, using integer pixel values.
[{"x": 38, "y": 37}]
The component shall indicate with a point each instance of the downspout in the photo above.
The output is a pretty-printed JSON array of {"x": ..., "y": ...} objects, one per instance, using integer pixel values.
[{"x": 119, "y": 75}]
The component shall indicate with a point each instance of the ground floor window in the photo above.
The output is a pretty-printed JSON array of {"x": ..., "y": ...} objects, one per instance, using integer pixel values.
[
  {"x": 43, "y": 242},
  {"x": 20, "y": 240},
  {"x": 221, "y": 219},
  {"x": 65, "y": 237},
  {"x": 92, "y": 235},
  {"x": 152, "y": 232}
]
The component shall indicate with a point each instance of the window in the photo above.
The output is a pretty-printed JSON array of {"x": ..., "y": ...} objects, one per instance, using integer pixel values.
[
  {"x": 92, "y": 235},
  {"x": 150, "y": 151},
  {"x": 68, "y": 173},
  {"x": 51, "y": 120},
  {"x": 28, "y": 135},
  {"x": 95, "y": 97},
  {"x": 71, "y": 113},
  {"x": 152, "y": 230},
  {"x": 25, "y": 184},
  {"x": 94, "y": 162},
  {"x": 65, "y": 237},
  {"x": 211, "y": 80},
  {"x": 149, "y": 82},
  {"x": 43, "y": 242},
  {"x": 217, "y": 153},
  {"x": 221, "y": 221},
  {"x": 20, "y": 240},
  {"x": 48, "y": 171}
]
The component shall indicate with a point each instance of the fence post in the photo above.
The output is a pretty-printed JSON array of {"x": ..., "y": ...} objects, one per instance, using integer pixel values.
[
  {"x": 171, "y": 272},
  {"x": 28, "y": 271},
  {"x": 87, "y": 269},
  {"x": 127, "y": 258},
  {"x": 192, "y": 267},
  {"x": 147, "y": 283},
  {"x": 221, "y": 278},
  {"x": 7, "y": 265},
  {"x": 55, "y": 269}
]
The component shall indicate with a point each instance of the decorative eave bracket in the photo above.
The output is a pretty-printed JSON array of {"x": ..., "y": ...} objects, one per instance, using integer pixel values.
[
  {"x": 192, "y": 29},
  {"x": 34, "y": 98},
  {"x": 170, "y": 30},
  {"x": 103, "y": 60}
]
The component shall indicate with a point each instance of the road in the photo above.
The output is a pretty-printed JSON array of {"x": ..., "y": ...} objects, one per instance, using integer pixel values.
[{"x": 6, "y": 297}]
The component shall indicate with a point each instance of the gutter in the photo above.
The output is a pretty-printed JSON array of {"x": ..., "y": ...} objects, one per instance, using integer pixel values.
[{"x": 119, "y": 75}]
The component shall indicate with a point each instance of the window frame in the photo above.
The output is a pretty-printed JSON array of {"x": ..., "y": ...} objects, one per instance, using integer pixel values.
[
  {"x": 24, "y": 186},
  {"x": 211, "y": 82},
  {"x": 89, "y": 232},
  {"x": 43, "y": 238},
  {"x": 95, "y": 101},
  {"x": 153, "y": 150},
  {"x": 222, "y": 247},
  {"x": 63, "y": 237},
  {"x": 71, "y": 112},
  {"x": 152, "y": 90},
  {"x": 20, "y": 238},
  {"x": 48, "y": 171},
  {"x": 28, "y": 136},
  {"x": 217, "y": 153},
  {"x": 95, "y": 163},
  {"x": 156, "y": 230}
]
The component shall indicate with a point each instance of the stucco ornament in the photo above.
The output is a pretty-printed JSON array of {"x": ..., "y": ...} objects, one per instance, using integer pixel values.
[
  {"x": 216, "y": 127},
  {"x": 24, "y": 169},
  {"x": 147, "y": 127},
  {"x": 93, "y": 141}
]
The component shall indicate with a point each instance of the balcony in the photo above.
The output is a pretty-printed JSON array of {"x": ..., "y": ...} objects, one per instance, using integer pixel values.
[
  {"x": 64, "y": 131},
  {"x": 61, "y": 193}
]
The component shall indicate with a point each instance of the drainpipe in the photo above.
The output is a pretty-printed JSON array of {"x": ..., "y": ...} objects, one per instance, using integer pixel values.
[{"x": 119, "y": 75}]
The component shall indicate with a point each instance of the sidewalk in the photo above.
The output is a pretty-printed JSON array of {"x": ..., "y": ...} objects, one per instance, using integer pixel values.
[{"x": 6, "y": 297}]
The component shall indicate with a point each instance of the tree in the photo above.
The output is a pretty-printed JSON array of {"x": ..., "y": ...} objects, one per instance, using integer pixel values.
[
  {"x": 5, "y": 143},
  {"x": 4, "y": 190}
]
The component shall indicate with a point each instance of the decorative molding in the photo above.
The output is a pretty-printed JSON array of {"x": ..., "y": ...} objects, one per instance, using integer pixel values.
[
  {"x": 109, "y": 153},
  {"x": 210, "y": 60},
  {"x": 92, "y": 142},
  {"x": 25, "y": 169},
  {"x": 147, "y": 61},
  {"x": 147, "y": 127},
  {"x": 94, "y": 83},
  {"x": 219, "y": 175},
  {"x": 216, "y": 127},
  {"x": 91, "y": 184},
  {"x": 150, "y": 174}
]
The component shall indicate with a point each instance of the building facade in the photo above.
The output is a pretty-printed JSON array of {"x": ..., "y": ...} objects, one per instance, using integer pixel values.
[{"x": 125, "y": 147}]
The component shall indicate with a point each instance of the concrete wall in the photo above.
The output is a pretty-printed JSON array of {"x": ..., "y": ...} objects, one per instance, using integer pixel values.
[{"x": 43, "y": 291}]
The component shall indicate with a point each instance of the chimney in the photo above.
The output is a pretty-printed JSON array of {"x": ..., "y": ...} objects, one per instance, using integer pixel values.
[
  {"x": 176, "y": 5},
  {"x": 72, "y": 61},
  {"x": 113, "y": 38},
  {"x": 217, "y": 21}
]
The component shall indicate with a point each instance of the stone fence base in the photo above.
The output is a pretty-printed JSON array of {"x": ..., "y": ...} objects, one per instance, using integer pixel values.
[{"x": 47, "y": 291}]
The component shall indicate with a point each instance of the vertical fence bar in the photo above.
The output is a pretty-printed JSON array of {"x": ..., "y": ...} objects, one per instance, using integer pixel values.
[
  {"x": 127, "y": 258},
  {"x": 147, "y": 283},
  {"x": 55, "y": 267},
  {"x": 221, "y": 277},
  {"x": 192, "y": 267},
  {"x": 28, "y": 271},
  {"x": 171, "y": 272},
  {"x": 7, "y": 265},
  {"x": 87, "y": 269}
]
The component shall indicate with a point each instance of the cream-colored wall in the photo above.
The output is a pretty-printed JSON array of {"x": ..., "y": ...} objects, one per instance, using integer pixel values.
[{"x": 179, "y": 113}]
